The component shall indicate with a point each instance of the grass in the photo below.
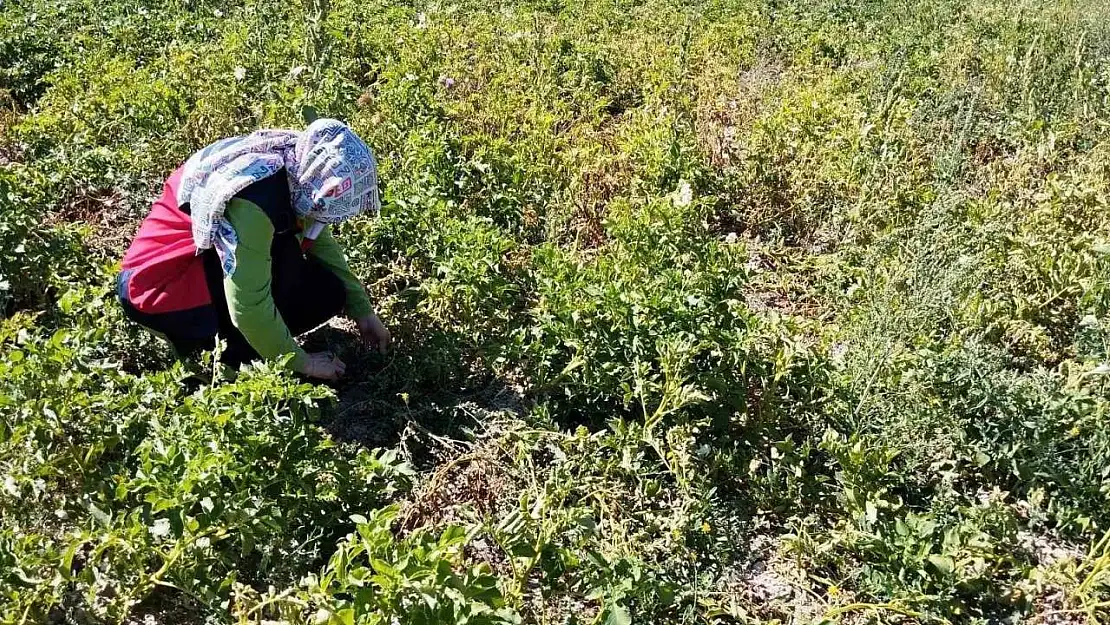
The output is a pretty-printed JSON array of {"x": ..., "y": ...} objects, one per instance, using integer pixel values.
[{"x": 706, "y": 312}]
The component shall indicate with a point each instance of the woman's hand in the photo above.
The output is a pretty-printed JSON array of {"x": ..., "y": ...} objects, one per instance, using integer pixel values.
[
  {"x": 373, "y": 333},
  {"x": 323, "y": 366}
]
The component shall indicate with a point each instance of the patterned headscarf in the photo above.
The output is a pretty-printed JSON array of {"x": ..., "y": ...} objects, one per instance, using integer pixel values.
[{"x": 332, "y": 177}]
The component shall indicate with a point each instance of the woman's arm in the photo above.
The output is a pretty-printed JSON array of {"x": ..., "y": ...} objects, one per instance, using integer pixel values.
[{"x": 249, "y": 299}]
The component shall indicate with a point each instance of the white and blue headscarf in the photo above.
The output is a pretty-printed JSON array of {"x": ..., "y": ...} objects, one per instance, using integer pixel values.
[{"x": 332, "y": 177}]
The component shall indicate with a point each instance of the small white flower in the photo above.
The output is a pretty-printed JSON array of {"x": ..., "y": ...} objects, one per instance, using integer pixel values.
[
  {"x": 10, "y": 486},
  {"x": 160, "y": 529},
  {"x": 684, "y": 194},
  {"x": 240, "y": 72},
  {"x": 1102, "y": 369}
]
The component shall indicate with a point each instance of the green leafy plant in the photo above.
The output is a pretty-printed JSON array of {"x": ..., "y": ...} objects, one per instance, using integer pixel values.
[{"x": 732, "y": 312}]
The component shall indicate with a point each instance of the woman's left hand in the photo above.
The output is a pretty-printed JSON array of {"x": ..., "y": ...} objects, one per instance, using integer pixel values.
[{"x": 374, "y": 334}]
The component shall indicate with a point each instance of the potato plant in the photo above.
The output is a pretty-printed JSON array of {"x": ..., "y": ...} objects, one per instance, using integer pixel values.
[{"x": 731, "y": 311}]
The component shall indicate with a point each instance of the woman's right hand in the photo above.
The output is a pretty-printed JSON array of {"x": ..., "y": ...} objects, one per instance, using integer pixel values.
[{"x": 323, "y": 366}]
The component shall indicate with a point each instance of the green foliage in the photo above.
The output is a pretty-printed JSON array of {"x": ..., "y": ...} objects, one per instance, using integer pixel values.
[
  {"x": 134, "y": 484},
  {"x": 801, "y": 310},
  {"x": 28, "y": 252},
  {"x": 374, "y": 578}
]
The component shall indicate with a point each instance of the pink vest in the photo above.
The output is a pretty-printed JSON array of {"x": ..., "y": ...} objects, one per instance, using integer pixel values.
[{"x": 166, "y": 275}]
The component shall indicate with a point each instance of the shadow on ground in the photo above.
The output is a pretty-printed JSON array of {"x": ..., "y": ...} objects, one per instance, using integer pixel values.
[{"x": 407, "y": 400}]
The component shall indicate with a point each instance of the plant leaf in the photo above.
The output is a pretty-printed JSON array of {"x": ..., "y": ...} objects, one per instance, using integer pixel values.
[
  {"x": 943, "y": 564},
  {"x": 617, "y": 615}
]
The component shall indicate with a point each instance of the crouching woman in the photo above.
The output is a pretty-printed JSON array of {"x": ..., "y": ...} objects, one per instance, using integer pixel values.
[{"x": 238, "y": 247}]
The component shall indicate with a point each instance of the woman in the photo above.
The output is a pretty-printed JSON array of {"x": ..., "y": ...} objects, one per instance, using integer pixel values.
[{"x": 238, "y": 247}]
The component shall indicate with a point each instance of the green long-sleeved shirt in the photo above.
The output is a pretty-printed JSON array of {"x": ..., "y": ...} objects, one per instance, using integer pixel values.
[{"x": 249, "y": 299}]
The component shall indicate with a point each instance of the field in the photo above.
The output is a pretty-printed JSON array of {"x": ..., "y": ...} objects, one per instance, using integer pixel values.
[{"x": 706, "y": 311}]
